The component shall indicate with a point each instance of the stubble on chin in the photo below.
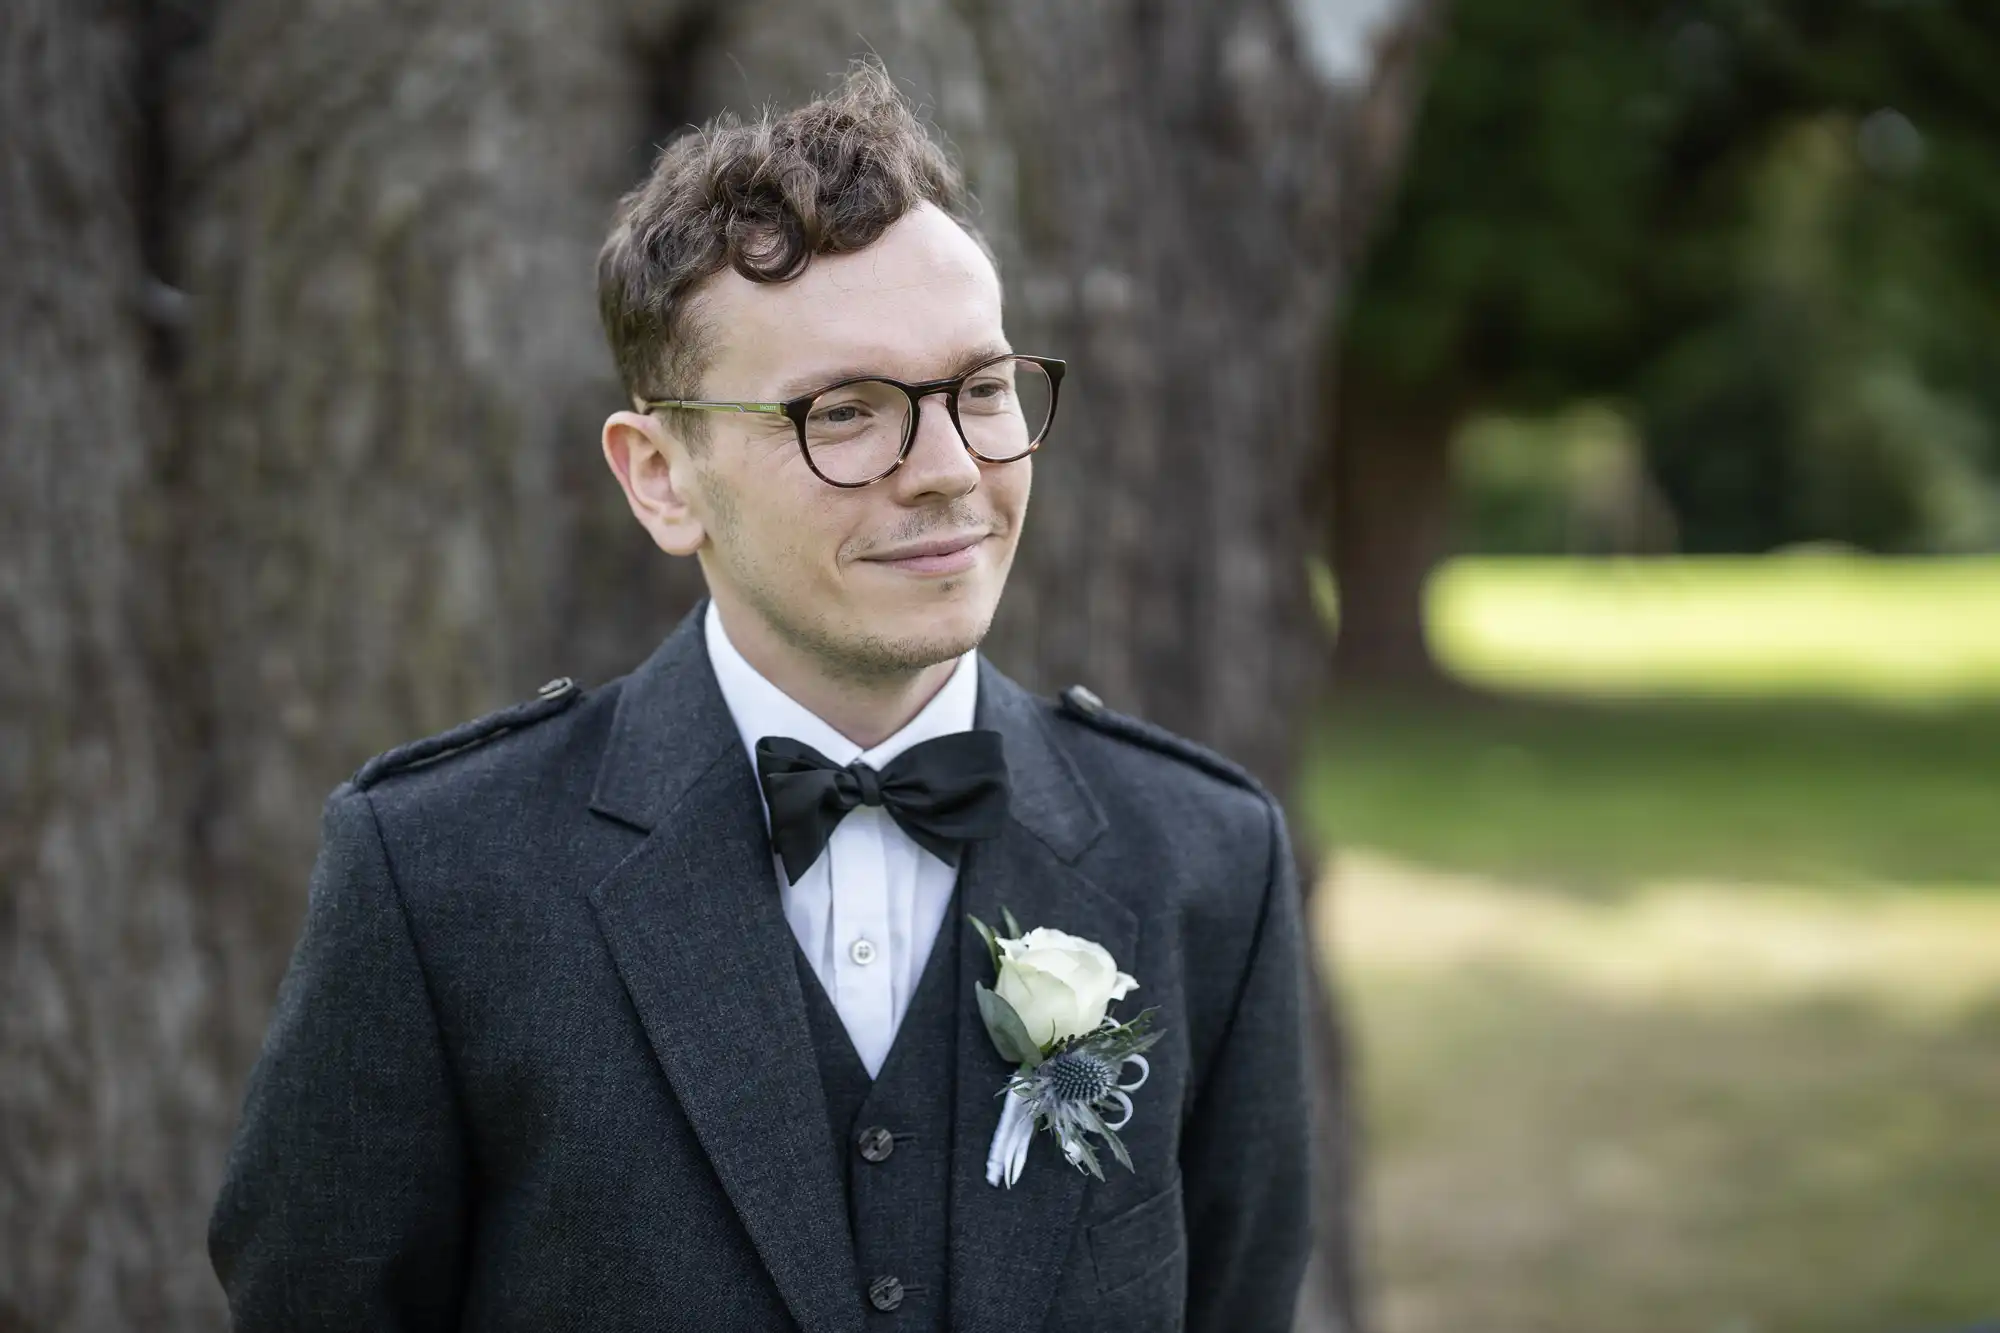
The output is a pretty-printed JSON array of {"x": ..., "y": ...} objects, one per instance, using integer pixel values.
[{"x": 865, "y": 656}]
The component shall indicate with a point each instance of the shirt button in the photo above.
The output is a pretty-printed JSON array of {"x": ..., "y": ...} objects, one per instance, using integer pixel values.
[
  {"x": 885, "y": 1292},
  {"x": 862, "y": 951},
  {"x": 877, "y": 1143}
]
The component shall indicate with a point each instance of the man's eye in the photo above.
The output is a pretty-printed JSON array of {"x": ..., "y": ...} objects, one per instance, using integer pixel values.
[{"x": 840, "y": 414}]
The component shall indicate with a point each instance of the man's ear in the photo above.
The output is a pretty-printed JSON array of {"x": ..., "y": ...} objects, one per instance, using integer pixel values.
[{"x": 653, "y": 465}]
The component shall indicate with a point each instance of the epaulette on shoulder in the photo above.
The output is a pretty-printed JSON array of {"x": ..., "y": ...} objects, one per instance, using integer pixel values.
[
  {"x": 551, "y": 699},
  {"x": 1084, "y": 705}
]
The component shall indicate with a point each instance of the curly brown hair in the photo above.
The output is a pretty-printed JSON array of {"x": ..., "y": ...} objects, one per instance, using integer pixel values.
[{"x": 826, "y": 178}]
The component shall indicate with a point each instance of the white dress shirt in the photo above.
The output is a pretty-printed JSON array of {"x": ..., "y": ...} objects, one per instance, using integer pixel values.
[{"x": 867, "y": 911}]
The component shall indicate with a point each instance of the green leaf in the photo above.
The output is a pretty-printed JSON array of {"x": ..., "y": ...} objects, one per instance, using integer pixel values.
[
  {"x": 1014, "y": 931},
  {"x": 1004, "y": 1025},
  {"x": 992, "y": 945}
]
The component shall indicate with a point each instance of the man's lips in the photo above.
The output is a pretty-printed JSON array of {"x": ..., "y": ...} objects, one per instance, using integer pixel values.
[{"x": 940, "y": 555}]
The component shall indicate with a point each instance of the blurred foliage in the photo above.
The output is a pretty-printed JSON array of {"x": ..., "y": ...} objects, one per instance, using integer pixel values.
[
  {"x": 1766, "y": 232},
  {"x": 1573, "y": 481}
]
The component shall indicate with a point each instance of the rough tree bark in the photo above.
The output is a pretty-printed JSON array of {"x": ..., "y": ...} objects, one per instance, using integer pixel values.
[
  {"x": 349, "y": 491},
  {"x": 111, "y": 1087}
]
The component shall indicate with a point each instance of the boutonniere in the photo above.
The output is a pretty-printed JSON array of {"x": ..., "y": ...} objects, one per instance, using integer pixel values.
[{"x": 1045, "y": 1012}]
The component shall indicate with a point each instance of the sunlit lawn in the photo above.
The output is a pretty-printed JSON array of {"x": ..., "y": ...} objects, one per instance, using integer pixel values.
[
  {"x": 1903, "y": 632},
  {"x": 1677, "y": 1010}
]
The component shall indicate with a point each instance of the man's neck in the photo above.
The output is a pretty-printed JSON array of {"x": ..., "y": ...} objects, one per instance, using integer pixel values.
[{"x": 866, "y": 710}]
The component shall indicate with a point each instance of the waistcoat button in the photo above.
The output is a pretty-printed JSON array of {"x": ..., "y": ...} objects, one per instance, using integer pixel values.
[
  {"x": 877, "y": 1143},
  {"x": 885, "y": 1293}
]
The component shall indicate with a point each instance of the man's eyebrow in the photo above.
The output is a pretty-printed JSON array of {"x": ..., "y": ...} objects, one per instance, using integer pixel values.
[{"x": 819, "y": 379}]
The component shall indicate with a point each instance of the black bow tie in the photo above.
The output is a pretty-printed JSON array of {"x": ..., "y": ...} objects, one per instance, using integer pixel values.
[{"x": 943, "y": 792}]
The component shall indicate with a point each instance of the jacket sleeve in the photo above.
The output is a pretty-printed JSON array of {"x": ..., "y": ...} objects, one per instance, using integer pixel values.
[
  {"x": 343, "y": 1197},
  {"x": 1245, "y": 1163}
]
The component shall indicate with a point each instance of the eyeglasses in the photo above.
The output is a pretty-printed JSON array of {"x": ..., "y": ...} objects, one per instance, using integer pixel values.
[{"x": 859, "y": 430}]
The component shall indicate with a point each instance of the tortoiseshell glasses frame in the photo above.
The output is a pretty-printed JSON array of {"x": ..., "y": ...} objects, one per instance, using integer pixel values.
[{"x": 799, "y": 410}]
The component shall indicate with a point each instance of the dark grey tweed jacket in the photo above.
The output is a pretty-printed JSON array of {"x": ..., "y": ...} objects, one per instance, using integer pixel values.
[{"x": 541, "y": 1060}]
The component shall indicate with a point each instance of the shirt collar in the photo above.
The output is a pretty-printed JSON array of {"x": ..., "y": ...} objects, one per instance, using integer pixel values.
[{"x": 761, "y": 709}]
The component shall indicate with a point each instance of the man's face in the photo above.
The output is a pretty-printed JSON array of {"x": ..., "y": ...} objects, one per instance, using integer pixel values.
[{"x": 882, "y": 579}]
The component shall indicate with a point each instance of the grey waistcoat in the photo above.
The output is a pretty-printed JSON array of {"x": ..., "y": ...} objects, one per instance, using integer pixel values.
[{"x": 898, "y": 1202}]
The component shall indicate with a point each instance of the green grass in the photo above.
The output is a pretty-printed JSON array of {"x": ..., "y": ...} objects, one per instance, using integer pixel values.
[
  {"x": 1696, "y": 1111},
  {"x": 1601, "y": 796},
  {"x": 1544, "y": 1165},
  {"x": 1674, "y": 964},
  {"x": 1824, "y": 719},
  {"x": 1904, "y": 632}
]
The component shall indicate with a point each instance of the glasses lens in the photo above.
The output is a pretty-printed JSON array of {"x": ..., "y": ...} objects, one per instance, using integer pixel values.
[
  {"x": 855, "y": 431},
  {"x": 1004, "y": 408}
]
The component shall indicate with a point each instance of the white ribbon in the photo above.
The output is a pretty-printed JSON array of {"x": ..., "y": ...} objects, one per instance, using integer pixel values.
[{"x": 1009, "y": 1150}]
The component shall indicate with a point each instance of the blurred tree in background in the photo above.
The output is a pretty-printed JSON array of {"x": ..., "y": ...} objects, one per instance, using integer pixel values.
[{"x": 1714, "y": 275}]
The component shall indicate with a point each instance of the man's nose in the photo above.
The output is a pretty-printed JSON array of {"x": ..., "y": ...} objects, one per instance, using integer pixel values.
[{"x": 938, "y": 462}]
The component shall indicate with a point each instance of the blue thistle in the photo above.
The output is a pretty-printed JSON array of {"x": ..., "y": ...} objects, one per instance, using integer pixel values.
[
  {"x": 1071, "y": 1091},
  {"x": 1078, "y": 1076}
]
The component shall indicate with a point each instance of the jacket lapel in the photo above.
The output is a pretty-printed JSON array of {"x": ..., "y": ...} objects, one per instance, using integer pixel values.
[
  {"x": 1007, "y": 1245},
  {"x": 697, "y": 931}
]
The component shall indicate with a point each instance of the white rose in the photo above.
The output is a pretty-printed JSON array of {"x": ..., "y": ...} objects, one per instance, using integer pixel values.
[{"x": 1059, "y": 984}]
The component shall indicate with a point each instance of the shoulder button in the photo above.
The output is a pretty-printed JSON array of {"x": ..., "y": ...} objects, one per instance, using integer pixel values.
[
  {"x": 1083, "y": 700},
  {"x": 551, "y": 699},
  {"x": 1084, "y": 705}
]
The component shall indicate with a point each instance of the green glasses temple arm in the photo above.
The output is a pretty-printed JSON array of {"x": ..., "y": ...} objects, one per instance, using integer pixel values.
[{"x": 696, "y": 404}]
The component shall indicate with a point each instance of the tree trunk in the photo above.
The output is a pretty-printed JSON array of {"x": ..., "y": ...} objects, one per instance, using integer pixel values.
[
  {"x": 1391, "y": 497},
  {"x": 346, "y": 490},
  {"x": 112, "y": 1088},
  {"x": 1383, "y": 485}
]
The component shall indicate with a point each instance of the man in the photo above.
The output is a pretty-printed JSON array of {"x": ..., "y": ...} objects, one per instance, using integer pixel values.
[{"x": 656, "y": 1006}]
